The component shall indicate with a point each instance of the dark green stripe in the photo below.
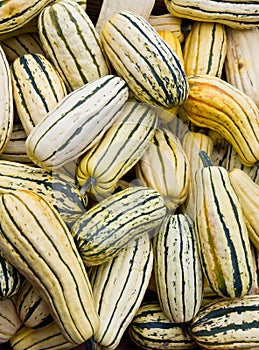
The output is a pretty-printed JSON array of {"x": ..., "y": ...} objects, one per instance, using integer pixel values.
[
  {"x": 53, "y": 13},
  {"x": 44, "y": 183},
  {"x": 85, "y": 43},
  {"x": 107, "y": 205},
  {"x": 41, "y": 64},
  {"x": 181, "y": 233},
  {"x": 43, "y": 31},
  {"x": 164, "y": 238},
  {"x": 177, "y": 73},
  {"x": 140, "y": 209},
  {"x": 109, "y": 245},
  {"x": 23, "y": 100},
  {"x": 160, "y": 154},
  {"x": 175, "y": 68},
  {"x": 131, "y": 157},
  {"x": 78, "y": 104},
  {"x": 25, "y": 62}
]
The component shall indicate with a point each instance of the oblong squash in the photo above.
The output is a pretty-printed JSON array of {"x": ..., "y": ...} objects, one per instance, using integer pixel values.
[
  {"x": 152, "y": 70},
  {"x": 37, "y": 242}
]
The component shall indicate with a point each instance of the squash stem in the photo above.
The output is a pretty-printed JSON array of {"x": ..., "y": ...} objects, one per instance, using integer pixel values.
[
  {"x": 205, "y": 158},
  {"x": 90, "y": 182}
]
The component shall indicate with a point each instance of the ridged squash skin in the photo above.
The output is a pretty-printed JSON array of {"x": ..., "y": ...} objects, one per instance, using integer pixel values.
[
  {"x": 110, "y": 225},
  {"x": 144, "y": 60},
  {"x": 15, "y": 148},
  {"x": 6, "y": 101},
  {"x": 32, "y": 310},
  {"x": 248, "y": 193},
  {"x": 173, "y": 41},
  {"x": 71, "y": 42},
  {"x": 205, "y": 49},
  {"x": 165, "y": 168},
  {"x": 77, "y": 122},
  {"x": 216, "y": 104},
  {"x": 177, "y": 268},
  {"x": 239, "y": 14},
  {"x": 222, "y": 235},
  {"x": 194, "y": 142},
  {"x": 228, "y": 324},
  {"x": 37, "y": 88},
  {"x": 9, "y": 320},
  {"x": 119, "y": 287},
  {"x": 150, "y": 328},
  {"x": 15, "y": 14},
  {"x": 232, "y": 161},
  {"x": 241, "y": 61},
  {"x": 167, "y": 22},
  {"x": 10, "y": 279},
  {"x": 110, "y": 7},
  {"x": 37, "y": 242},
  {"x": 57, "y": 188},
  {"x": 48, "y": 337},
  {"x": 118, "y": 151},
  {"x": 21, "y": 44}
]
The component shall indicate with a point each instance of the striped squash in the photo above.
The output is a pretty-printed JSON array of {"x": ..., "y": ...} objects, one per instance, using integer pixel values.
[
  {"x": 36, "y": 241},
  {"x": 248, "y": 193},
  {"x": 205, "y": 49},
  {"x": 241, "y": 61},
  {"x": 216, "y": 104},
  {"x": 77, "y": 122},
  {"x": 233, "y": 162},
  {"x": 111, "y": 224},
  {"x": 219, "y": 150},
  {"x": 173, "y": 41},
  {"x": 228, "y": 324},
  {"x": 9, "y": 320},
  {"x": 22, "y": 44},
  {"x": 14, "y": 14},
  {"x": 152, "y": 70},
  {"x": 10, "y": 279},
  {"x": 28, "y": 27},
  {"x": 48, "y": 337},
  {"x": 222, "y": 235},
  {"x": 70, "y": 40},
  {"x": 57, "y": 188},
  {"x": 31, "y": 308},
  {"x": 118, "y": 151},
  {"x": 165, "y": 168},
  {"x": 167, "y": 22},
  {"x": 6, "y": 101},
  {"x": 37, "y": 88},
  {"x": 15, "y": 151},
  {"x": 110, "y": 7},
  {"x": 119, "y": 286},
  {"x": 193, "y": 142},
  {"x": 177, "y": 267},
  {"x": 151, "y": 329},
  {"x": 239, "y": 14},
  {"x": 82, "y": 3}
]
